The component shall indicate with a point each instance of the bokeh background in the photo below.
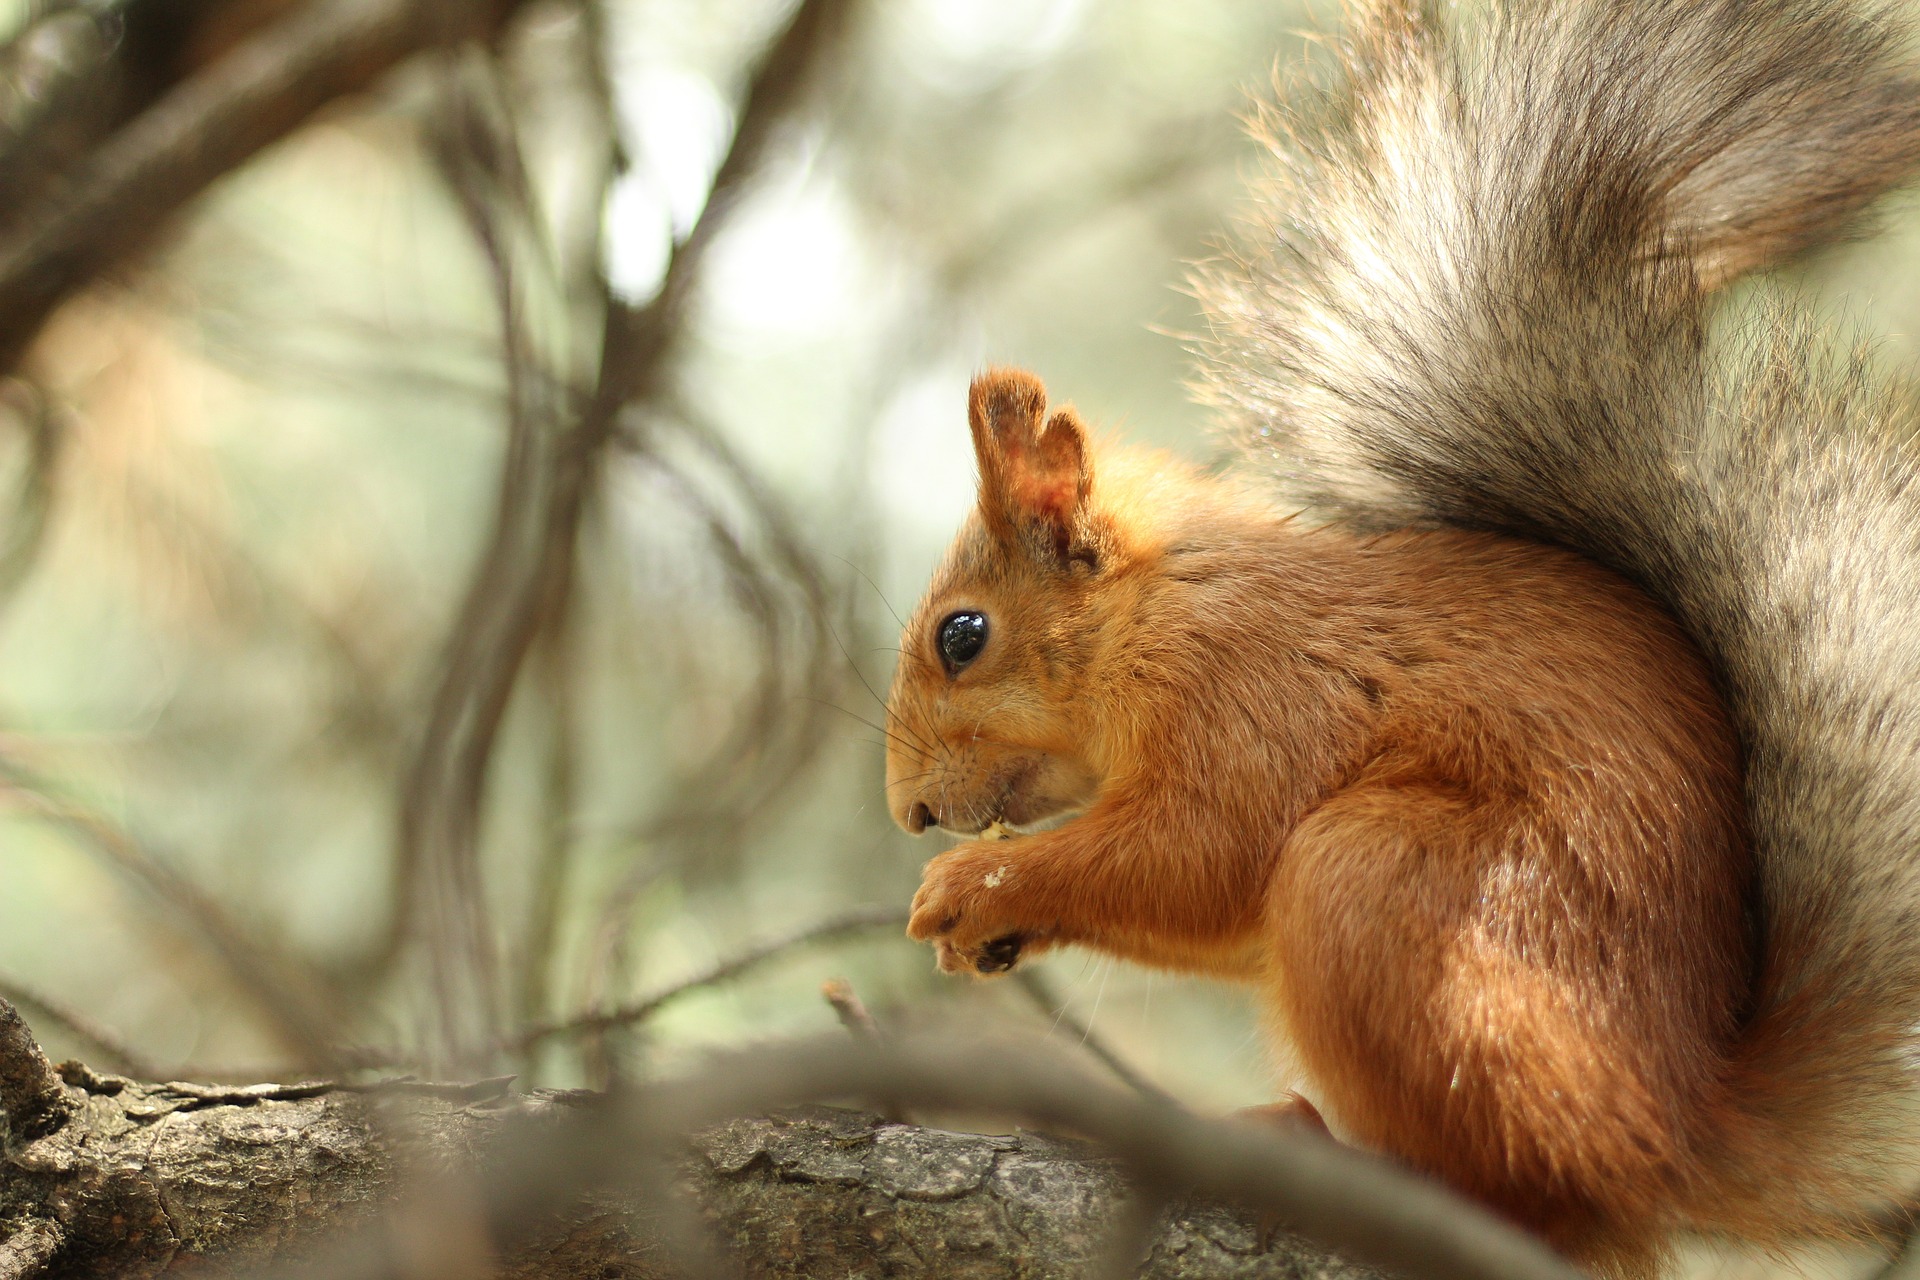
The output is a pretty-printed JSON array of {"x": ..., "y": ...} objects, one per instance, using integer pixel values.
[{"x": 251, "y": 485}]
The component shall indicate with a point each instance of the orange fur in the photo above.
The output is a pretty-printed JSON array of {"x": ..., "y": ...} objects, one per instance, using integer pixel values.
[{"x": 1465, "y": 809}]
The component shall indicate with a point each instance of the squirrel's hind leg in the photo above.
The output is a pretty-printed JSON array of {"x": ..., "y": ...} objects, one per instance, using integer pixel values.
[{"x": 1452, "y": 977}]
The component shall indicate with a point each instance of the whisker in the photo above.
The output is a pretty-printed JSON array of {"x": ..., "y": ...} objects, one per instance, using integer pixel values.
[
  {"x": 890, "y": 735},
  {"x": 866, "y": 742},
  {"x": 912, "y": 719},
  {"x": 884, "y": 602},
  {"x": 861, "y": 677}
]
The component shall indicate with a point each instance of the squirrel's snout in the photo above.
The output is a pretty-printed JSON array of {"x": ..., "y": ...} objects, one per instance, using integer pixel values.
[{"x": 919, "y": 817}]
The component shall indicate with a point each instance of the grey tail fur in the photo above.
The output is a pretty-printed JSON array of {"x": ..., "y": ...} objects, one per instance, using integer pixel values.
[{"x": 1476, "y": 290}]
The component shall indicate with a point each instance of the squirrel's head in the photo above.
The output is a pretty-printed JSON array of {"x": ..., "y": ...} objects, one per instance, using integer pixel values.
[{"x": 988, "y": 717}]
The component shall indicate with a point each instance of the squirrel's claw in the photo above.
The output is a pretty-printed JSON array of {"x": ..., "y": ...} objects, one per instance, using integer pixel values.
[
  {"x": 988, "y": 959},
  {"x": 1000, "y": 955}
]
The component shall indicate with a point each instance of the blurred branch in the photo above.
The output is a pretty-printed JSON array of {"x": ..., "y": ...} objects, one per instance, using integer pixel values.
[
  {"x": 55, "y": 99},
  {"x": 718, "y": 798},
  {"x": 768, "y": 745},
  {"x": 282, "y": 995},
  {"x": 266, "y": 86},
  {"x": 1048, "y": 1001},
  {"x": 638, "y": 336},
  {"x": 856, "y": 921},
  {"x": 514, "y": 594},
  {"x": 112, "y": 1051},
  {"x": 525, "y": 573},
  {"x": 586, "y": 278},
  {"x": 79, "y": 69},
  {"x": 45, "y": 433},
  {"x": 559, "y": 845},
  {"x": 248, "y": 584}
]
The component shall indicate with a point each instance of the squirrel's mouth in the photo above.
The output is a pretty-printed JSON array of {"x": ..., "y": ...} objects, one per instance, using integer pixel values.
[
  {"x": 1006, "y": 826},
  {"x": 1026, "y": 794},
  {"x": 1022, "y": 808}
]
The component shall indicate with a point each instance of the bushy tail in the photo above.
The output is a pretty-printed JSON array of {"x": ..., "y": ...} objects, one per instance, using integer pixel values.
[{"x": 1476, "y": 292}]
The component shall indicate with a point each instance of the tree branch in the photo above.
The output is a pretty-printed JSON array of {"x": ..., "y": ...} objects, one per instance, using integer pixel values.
[
  {"x": 148, "y": 1179},
  {"x": 1340, "y": 1197},
  {"x": 31, "y": 1093},
  {"x": 257, "y": 94},
  {"x": 30, "y": 1251}
]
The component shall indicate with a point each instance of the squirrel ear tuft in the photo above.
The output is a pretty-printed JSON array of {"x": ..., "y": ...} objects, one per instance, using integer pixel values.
[{"x": 1034, "y": 478}]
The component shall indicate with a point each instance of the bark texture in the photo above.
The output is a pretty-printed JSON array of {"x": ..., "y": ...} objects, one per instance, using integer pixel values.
[{"x": 148, "y": 1180}]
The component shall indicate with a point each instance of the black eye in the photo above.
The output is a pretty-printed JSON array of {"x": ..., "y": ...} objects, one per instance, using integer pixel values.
[{"x": 962, "y": 636}]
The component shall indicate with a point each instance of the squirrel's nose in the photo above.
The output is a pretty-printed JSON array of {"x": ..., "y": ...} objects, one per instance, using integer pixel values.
[{"x": 919, "y": 817}]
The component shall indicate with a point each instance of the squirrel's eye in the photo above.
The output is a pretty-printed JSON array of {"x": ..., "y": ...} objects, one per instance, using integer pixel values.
[{"x": 962, "y": 636}]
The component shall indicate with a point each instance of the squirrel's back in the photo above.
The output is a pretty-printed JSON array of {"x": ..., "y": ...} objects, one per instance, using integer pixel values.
[{"x": 1479, "y": 294}]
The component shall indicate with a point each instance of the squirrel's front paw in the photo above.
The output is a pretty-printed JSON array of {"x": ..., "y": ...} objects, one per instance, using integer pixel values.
[{"x": 967, "y": 907}]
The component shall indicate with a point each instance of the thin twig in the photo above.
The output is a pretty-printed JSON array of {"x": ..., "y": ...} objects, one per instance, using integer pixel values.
[
  {"x": 1041, "y": 992},
  {"x": 748, "y": 770},
  {"x": 856, "y": 921},
  {"x": 777, "y": 86},
  {"x": 853, "y": 1015},
  {"x": 107, "y": 1045}
]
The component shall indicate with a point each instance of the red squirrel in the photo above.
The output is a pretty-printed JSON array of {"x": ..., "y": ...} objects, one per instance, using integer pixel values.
[{"x": 1555, "y": 778}]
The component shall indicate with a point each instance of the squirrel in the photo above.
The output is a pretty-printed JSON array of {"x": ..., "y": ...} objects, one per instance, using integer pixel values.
[{"x": 1554, "y": 779}]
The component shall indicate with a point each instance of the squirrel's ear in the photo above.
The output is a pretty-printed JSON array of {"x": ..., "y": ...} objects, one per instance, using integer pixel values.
[{"x": 1035, "y": 475}]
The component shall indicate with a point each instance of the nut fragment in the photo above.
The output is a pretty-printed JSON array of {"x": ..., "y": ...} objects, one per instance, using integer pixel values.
[{"x": 997, "y": 830}]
